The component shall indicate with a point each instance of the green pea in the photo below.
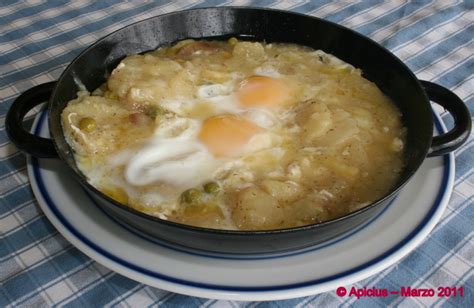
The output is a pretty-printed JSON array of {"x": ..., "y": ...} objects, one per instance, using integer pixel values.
[
  {"x": 232, "y": 41},
  {"x": 155, "y": 111},
  {"x": 211, "y": 187},
  {"x": 191, "y": 195},
  {"x": 87, "y": 124}
]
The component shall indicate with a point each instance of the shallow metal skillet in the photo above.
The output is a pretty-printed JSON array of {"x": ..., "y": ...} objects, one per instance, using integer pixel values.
[{"x": 378, "y": 65}]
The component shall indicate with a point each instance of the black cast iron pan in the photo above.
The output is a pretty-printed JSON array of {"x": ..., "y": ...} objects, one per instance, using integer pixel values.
[{"x": 410, "y": 95}]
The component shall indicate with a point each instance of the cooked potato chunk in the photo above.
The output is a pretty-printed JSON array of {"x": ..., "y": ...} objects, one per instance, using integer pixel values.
[
  {"x": 315, "y": 119},
  {"x": 248, "y": 54},
  {"x": 308, "y": 210},
  {"x": 255, "y": 209},
  {"x": 287, "y": 191}
]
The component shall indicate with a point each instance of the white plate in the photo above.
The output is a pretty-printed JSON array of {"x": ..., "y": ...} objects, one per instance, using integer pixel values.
[{"x": 365, "y": 251}]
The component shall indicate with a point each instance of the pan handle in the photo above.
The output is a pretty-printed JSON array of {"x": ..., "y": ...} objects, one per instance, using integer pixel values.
[
  {"x": 453, "y": 139},
  {"x": 24, "y": 140}
]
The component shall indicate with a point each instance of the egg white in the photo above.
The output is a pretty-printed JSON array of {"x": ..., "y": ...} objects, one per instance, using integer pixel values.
[{"x": 172, "y": 155}]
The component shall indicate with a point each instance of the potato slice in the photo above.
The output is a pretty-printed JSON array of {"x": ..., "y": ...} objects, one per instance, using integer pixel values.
[
  {"x": 284, "y": 192},
  {"x": 315, "y": 119},
  {"x": 256, "y": 210}
]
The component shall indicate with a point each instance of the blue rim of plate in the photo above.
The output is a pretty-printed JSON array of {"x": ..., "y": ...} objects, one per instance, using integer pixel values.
[{"x": 447, "y": 170}]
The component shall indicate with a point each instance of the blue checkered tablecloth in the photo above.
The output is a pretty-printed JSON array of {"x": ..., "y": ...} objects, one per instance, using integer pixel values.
[{"x": 39, "y": 38}]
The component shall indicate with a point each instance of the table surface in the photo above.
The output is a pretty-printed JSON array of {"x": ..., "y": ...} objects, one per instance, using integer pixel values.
[{"x": 39, "y": 38}]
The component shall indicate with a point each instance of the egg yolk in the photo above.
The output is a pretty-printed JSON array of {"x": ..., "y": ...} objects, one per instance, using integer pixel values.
[
  {"x": 225, "y": 135},
  {"x": 262, "y": 91}
]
